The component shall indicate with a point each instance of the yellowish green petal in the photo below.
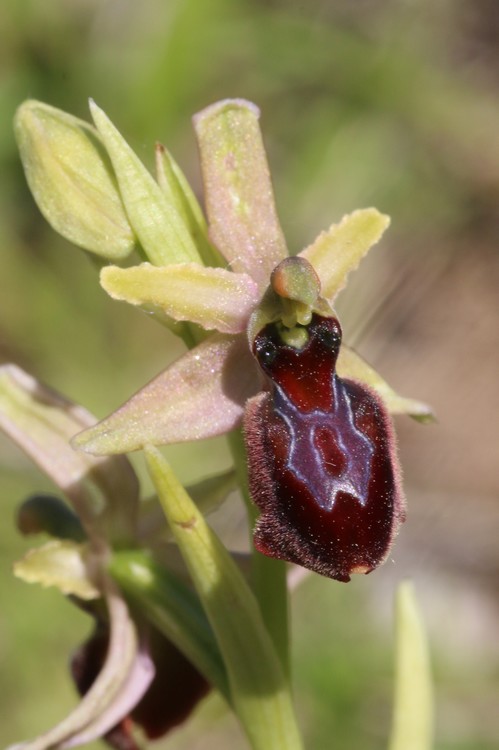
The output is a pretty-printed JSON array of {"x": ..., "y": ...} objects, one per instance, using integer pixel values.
[
  {"x": 161, "y": 229},
  {"x": 71, "y": 179},
  {"x": 201, "y": 395},
  {"x": 412, "y": 727},
  {"x": 238, "y": 192},
  {"x": 61, "y": 564},
  {"x": 339, "y": 250},
  {"x": 104, "y": 492},
  {"x": 351, "y": 365},
  {"x": 212, "y": 297}
]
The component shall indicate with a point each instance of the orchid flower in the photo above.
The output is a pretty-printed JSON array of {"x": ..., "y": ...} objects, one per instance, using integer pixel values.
[
  {"x": 207, "y": 391},
  {"x": 265, "y": 355},
  {"x": 220, "y": 287}
]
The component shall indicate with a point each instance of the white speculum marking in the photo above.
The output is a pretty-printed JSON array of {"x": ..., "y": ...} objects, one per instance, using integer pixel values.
[{"x": 305, "y": 458}]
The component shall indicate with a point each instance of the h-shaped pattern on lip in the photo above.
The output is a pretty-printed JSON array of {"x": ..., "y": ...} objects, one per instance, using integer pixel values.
[
  {"x": 323, "y": 470},
  {"x": 327, "y": 451}
]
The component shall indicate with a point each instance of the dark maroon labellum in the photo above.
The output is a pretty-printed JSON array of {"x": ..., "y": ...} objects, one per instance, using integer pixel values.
[{"x": 322, "y": 463}]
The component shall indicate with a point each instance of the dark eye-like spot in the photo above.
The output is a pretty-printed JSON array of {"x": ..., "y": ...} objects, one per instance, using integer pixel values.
[
  {"x": 329, "y": 335},
  {"x": 266, "y": 352}
]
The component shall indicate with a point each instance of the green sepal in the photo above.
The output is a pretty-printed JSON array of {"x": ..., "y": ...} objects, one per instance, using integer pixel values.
[
  {"x": 213, "y": 298},
  {"x": 176, "y": 188},
  {"x": 161, "y": 229},
  {"x": 339, "y": 250}
]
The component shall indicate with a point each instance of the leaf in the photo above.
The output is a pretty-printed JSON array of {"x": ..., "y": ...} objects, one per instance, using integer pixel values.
[
  {"x": 60, "y": 564},
  {"x": 412, "y": 727},
  {"x": 200, "y": 395},
  {"x": 71, "y": 179},
  {"x": 212, "y": 297},
  {"x": 208, "y": 494},
  {"x": 259, "y": 691},
  {"x": 161, "y": 229},
  {"x": 339, "y": 250},
  {"x": 238, "y": 193},
  {"x": 350, "y": 365}
]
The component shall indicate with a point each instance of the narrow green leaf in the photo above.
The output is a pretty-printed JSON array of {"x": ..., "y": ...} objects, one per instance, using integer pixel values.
[
  {"x": 260, "y": 695},
  {"x": 208, "y": 494},
  {"x": 70, "y": 176},
  {"x": 339, "y": 250},
  {"x": 174, "y": 609},
  {"x": 161, "y": 229},
  {"x": 412, "y": 727},
  {"x": 238, "y": 192}
]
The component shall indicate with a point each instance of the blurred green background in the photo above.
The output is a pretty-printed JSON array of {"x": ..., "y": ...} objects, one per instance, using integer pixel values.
[{"x": 391, "y": 103}]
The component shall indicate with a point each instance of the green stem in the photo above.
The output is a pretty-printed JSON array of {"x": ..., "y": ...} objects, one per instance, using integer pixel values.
[{"x": 268, "y": 575}]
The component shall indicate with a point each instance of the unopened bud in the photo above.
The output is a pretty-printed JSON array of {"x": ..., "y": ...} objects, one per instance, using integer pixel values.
[{"x": 71, "y": 179}]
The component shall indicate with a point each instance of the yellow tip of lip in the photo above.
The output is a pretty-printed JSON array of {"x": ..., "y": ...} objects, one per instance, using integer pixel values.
[{"x": 361, "y": 569}]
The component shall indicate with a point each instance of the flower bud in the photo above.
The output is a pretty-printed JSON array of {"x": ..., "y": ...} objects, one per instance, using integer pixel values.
[
  {"x": 48, "y": 514},
  {"x": 71, "y": 179}
]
